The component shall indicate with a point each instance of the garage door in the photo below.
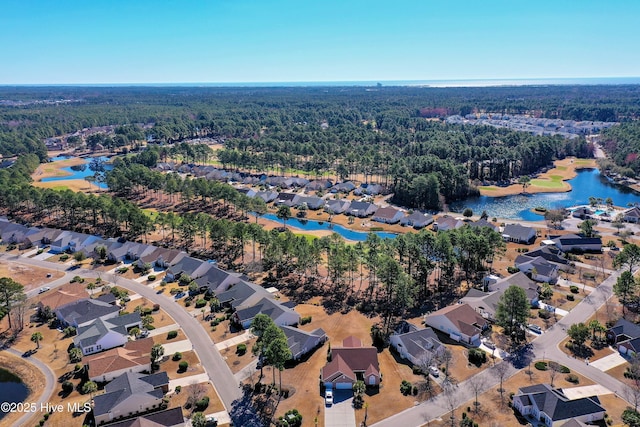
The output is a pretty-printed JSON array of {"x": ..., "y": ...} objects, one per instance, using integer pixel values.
[{"x": 344, "y": 386}]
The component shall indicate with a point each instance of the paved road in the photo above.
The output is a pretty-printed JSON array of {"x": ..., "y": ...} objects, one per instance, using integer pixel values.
[
  {"x": 50, "y": 382},
  {"x": 545, "y": 346},
  {"x": 219, "y": 373}
]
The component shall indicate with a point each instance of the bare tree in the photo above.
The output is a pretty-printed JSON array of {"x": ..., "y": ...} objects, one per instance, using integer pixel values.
[
  {"x": 501, "y": 370},
  {"x": 195, "y": 391},
  {"x": 554, "y": 369},
  {"x": 17, "y": 315},
  {"x": 445, "y": 359},
  {"x": 632, "y": 393},
  {"x": 452, "y": 400},
  {"x": 477, "y": 384}
]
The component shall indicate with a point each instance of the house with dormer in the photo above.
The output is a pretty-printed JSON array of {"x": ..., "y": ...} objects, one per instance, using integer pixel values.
[
  {"x": 416, "y": 344},
  {"x": 460, "y": 321},
  {"x": 101, "y": 335}
]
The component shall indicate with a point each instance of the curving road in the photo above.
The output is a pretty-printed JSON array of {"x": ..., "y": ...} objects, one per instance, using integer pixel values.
[
  {"x": 50, "y": 381},
  {"x": 219, "y": 373}
]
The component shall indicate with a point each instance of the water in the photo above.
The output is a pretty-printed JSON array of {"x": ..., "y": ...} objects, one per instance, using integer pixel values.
[
  {"x": 587, "y": 183},
  {"x": 310, "y": 225},
  {"x": 12, "y": 389},
  {"x": 79, "y": 174}
]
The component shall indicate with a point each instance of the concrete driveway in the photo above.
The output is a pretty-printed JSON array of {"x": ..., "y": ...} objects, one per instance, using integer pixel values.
[
  {"x": 585, "y": 391},
  {"x": 341, "y": 413},
  {"x": 609, "y": 362}
]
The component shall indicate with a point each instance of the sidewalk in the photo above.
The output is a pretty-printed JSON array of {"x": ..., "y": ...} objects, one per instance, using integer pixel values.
[
  {"x": 232, "y": 342},
  {"x": 164, "y": 330}
]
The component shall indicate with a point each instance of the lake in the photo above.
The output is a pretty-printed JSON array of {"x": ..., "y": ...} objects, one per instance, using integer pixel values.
[
  {"x": 309, "y": 225},
  {"x": 12, "y": 389},
  {"x": 79, "y": 174},
  {"x": 587, "y": 183}
]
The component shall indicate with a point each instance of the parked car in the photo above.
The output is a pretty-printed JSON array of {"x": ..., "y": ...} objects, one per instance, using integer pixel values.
[
  {"x": 535, "y": 328},
  {"x": 143, "y": 334},
  {"x": 44, "y": 289},
  {"x": 328, "y": 397},
  {"x": 489, "y": 344},
  {"x": 434, "y": 371},
  {"x": 179, "y": 295}
]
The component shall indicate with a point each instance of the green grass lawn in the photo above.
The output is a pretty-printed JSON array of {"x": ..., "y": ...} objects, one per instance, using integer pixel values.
[
  {"x": 488, "y": 188},
  {"x": 554, "y": 182},
  {"x": 561, "y": 168}
]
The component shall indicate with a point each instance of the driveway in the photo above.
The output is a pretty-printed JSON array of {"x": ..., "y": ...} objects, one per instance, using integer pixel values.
[
  {"x": 609, "y": 362},
  {"x": 181, "y": 346},
  {"x": 185, "y": 381},
  {"x": 341, "y": 413},
  {"x": 585, "y": 391}
]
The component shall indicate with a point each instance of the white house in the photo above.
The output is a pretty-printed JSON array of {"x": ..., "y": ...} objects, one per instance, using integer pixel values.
[
  {"x": 101, "y": 335},
  {"x": 84, "y": 311},
  {"x": 135, "y": 356},
  {"x": 302, "y": 342}
]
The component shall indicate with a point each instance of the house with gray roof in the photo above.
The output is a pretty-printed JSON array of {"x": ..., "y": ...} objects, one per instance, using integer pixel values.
[
  {"x": 552, "y": 407},
  {"x": 82, "y": 312},
  {"x": 519, "y": 279},
  {"x": 192, "y": 267},
  {"x": 288, "y": 199},
  {"x": 551, "y": 253},
  {"x": 575, "y": 242},
  {"x": 447, "y": 222},
  {"x": 519, "y": 234},
  {"x": 361, "y": 209},
  {"x": 247, "y": 192},
  {"x": 130, "y": 394},
  {"x": 415, "y": 344},
  {"x": 625, "y": 336},
  {"x": 343, "y": 187},
  {"x": 101, "y": 335},
  {"x": 337, "y": 206},
  {"x": 302, "y": 342},
  {"x": 13, "y": 233},
  {"x": 280, "y": 314},
  {"x": 318, "y": 185},
  {"x": 538, "y": 268},
  {"x": 162, "y": 258},
  {"x": 482, "y": 223},
  {"x": 168, "y": 418},
  {"x": 311, "y": 202},
  {"x": 417, "y": 220},
  {"x": 267, "y": 196},
  {"x": 242, "y": 294},
  {"x": 216, "y": 280},
  {"x": 631, "y": 215}
]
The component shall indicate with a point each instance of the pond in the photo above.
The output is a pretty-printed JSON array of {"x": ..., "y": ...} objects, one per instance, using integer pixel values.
[
  {"x": 587, "y": 183},
  {"x": 309, "y": 225},
  {"x": 79, "y": 172},
  {"x": 12, "y": 389}
]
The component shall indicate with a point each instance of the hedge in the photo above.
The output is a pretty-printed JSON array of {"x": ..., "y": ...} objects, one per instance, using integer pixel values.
[
  {"x": 541, "y": 366},
  {"x": 201, "y": 303},
  {"x": 172, "y": 335}
]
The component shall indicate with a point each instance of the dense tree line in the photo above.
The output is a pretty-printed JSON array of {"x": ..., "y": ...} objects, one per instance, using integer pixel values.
[{"x": 622, "y": 145}]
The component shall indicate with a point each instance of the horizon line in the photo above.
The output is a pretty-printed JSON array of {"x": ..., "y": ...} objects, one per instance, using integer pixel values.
[{"x": 435, "y": 83}]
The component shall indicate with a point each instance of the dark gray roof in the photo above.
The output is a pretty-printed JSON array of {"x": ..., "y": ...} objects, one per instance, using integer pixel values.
[
  {"x": 90, "y": 334},
  {"x": 108, "y": 298},
  {"x": 520, "y": 280},
  {"x": 550, "y": 253},
  {"x": 240, "y": 292},
  {"x": 214, "y": 277},
  {"x": 267, "y": 306},
  {"x": 519, "y": 232},
  {"x": 417, "y": 219},
  {"x": 85, "y": 310},
  {"x": 187, "y": 265},
  {"x": 625, "y": 327},
  {"x": 557, "y": 406},
  {"x": 419, "y": 342},
  {"x": 297, "y": 338},
  {"x": 126, "y": 386},
  {"x": 482, "y": 223},
  {"x": 168, "y": 417}
]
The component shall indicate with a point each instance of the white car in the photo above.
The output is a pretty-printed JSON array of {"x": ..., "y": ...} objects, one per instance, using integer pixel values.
[
  {"x": 43, "y": 290},
  {"x": 434, "y": 371},
  {"x": 328, "y": 397},
  {"x": 535, "y": 328}
]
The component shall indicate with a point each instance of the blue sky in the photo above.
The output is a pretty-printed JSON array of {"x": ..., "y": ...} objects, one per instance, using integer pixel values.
[{"x": 162, "y": 41}]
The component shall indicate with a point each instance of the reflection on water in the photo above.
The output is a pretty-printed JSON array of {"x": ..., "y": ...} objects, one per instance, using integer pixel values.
[
  {"x": 588, "y": 183},
  {"x": 80, "y": 173}
]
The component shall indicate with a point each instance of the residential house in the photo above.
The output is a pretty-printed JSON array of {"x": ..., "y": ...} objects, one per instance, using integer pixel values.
[
  {"x": 61, "y": 243},
  {"x": 279, "y": 313},
  {"x": 216, "y": 280},
  {"x": 242, "y": 294},
  {"x": 130, "y": 394},
  {"x": 337, "y": 206},
  {"x": 538, "y": 268},
  {"x": 417, "y": 220},
  {"x": 552, "y": 407},
  {"x": 162, "y": 258},
  {"x": 519, "y": 234},
  {"x": 13, "y": 233},
  {"x": 311, "y": 202},
  {"x": 447, "y": 222},
  {"x": 551, "y": 253},
  {"x": 33, "y": 237},
  {"x": 350, "y": 363},
  {"x": 101, "y": 335},
  {"x": 65, "y": 294},
  {"x": 631, "y": 215},
  {"x": 129, "y": 251},
  {"x": 388, "y": 215},
  {"x": 574, "y": 242},
  {"x": 168, "y": 418},
  {"x": 302, "y": 342},
  {"x": 288, "y": 199},
  {"x": 625, "y": 335},
  {"x": 582, "y": 213},
  {"x": 318, "y": 185},
  {"x": 190, "y": 266},
  {"x": 361, "y": 209},
  {"x": 85, "y": 311},
  {"x": 135, "y": 356},
  {"x": 484, "y": 303},
  {"x": 370, "y": 189},
  {"x": 418, "y": 346},
  {"x": 460, "y": 321},
  {"x": 343, "y": 187},
  {"x": 247, "y": 192},
  {"x": 483, "y": 223},
  {"x": 267, "y": 196},
  {"x": 519, "y": 279}
]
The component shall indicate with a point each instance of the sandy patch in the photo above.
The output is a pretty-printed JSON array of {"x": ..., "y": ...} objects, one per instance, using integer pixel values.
[
  {"x": 75, "y": 185},
  {"x": 47, "y": 170},
  {"x": 30, "y": 277},
  {"x": 32, "y": 378}
]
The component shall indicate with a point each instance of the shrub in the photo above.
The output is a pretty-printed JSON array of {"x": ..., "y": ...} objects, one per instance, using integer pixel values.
[
  {"x": 156, "y": 307},
  {"x": 541, "y": 366},
  {"x": 563, "y": 369},
  {"x": 544, "y": 314},
  {"x": 405, "y": 387},
  {"x": 572, "y": 378},
  {"x": 146, "y": 311},
  {"x": 172, "y": 334},
  {"x": 63, "y": 257},
  {"x": 477, "y": 356},
  {"x": 67, "y": 387},
  {"x": 241, "y": 349},
  {"x": 151, "y": 277},
  {"x": 182, "y": 366},
  {"x": 305, "y": 320},
  {"x": 512, "y": 270},
  {"x": 571, "y": 297},
  {"x": 202, "y": 404},
  {"x": 177, "y": 356},
  {"x": 178, "y": 388},
  {"x": 574, "y": 289},
  {"x": 201, "y": 303}
]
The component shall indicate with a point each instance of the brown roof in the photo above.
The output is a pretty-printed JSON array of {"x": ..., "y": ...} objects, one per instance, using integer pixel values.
[
  {"x": 350, "y": 358},
  {"x": 63, "y": 295},
  {"x": 386, "y": 213},
  {"x": 134, "y": 353},
  {"x": 463, "y": 316}
]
